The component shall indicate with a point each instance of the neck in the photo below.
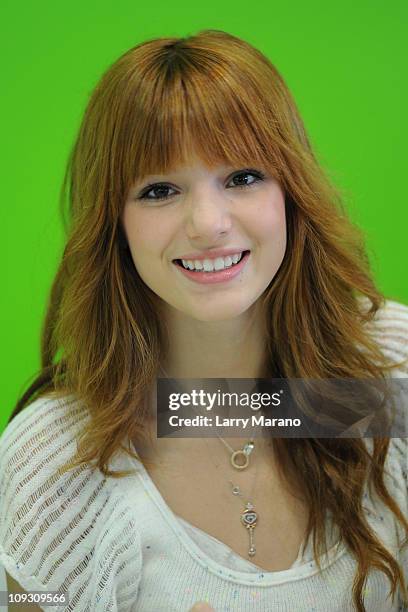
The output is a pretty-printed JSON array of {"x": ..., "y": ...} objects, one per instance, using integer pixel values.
[{"x": 235, "y": 348}]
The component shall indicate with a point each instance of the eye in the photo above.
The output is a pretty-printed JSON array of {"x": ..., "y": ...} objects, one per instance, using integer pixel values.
[
  {"x": 160, "y": 191},
  {"x": 242, "y": 178}
]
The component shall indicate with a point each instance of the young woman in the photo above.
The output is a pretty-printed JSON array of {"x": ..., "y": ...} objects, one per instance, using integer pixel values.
[{"x": 205, "y": 242}]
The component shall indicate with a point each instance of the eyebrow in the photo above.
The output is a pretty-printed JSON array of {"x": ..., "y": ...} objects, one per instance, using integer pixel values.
[{"x": 179, "y": 173}]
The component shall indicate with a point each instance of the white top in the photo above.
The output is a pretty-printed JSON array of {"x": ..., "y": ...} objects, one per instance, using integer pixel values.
[
  {"x": 222, "y": 553},
  {"x": 114, "y": 544}
]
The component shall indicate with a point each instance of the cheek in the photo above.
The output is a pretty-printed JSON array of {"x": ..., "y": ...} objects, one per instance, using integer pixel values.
[
  {"x": 269, "y": 220},
  {"x": 145, "y": 236}
]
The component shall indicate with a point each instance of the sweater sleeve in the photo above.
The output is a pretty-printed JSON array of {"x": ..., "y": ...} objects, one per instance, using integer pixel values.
[
  {"x": 391, "y": 331},
  {"x": 71, "y": 532}
]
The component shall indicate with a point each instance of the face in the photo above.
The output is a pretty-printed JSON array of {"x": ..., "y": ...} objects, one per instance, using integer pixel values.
[{"x": 206, "y": 216}]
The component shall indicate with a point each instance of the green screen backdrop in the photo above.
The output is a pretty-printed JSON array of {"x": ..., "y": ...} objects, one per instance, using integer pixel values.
[{"x": 345, "y": 63}]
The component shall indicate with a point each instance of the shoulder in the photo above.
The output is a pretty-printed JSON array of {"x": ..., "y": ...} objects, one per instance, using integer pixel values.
[
  {"x": 72, "y": 531},
  {"x": 391, "y": 310},
  {"x": 39, "y": 424},
  {"x": 390, "y": 329}
]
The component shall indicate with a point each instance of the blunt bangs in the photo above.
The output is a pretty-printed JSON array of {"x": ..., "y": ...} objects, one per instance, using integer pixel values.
[{"x": 188, "y": 100}]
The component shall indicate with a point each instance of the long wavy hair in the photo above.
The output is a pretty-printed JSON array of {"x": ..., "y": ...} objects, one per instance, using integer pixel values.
[{"x": 103, "y": 340}]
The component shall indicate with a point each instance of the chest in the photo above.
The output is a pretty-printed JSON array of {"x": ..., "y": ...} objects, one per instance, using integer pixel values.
[{"x": 205, "y": 500}]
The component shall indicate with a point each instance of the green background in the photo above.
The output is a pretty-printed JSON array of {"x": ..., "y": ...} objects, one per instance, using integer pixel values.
[{"x": 345, "y": 63}]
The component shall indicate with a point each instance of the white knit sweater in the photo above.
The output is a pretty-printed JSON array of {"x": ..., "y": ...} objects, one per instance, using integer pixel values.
[{"x": 115, "y": 545}]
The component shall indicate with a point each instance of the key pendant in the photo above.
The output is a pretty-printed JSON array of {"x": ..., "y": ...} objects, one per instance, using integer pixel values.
[{"x": 249, "y": 519}]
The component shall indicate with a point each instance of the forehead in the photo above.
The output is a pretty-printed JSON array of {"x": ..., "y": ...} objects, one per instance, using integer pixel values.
[
  {"x": 194, "y": 165},
  {"x": 192, "y": 160}
]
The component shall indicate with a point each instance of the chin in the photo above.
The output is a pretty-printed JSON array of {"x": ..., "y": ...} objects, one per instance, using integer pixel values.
[{"x": 221, "y": 313}]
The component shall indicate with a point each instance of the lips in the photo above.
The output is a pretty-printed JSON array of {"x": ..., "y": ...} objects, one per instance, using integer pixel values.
[
  {"x": 212, "y": 254},
  {"x": 215, "y": 277},
  {"x": 179, "y": 262}
]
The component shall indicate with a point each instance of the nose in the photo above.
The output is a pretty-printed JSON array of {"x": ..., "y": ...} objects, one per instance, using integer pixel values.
[{"x": 208, "y": 215}]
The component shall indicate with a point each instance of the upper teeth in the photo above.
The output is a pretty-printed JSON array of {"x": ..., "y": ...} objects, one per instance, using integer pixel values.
[{"x": 208, "y": 265}]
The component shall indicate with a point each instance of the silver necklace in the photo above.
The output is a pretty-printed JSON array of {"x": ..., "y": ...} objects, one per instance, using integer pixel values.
[
  {"x": 243, "y": 453},
  {"x": 249, "y": 517}
]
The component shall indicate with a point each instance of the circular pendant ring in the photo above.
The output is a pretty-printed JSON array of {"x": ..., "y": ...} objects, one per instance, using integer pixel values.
[{"x": 239, "y": 466}]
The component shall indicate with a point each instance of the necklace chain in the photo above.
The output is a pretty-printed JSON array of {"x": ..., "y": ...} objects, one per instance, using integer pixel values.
[{"x": 249, "y": 517}]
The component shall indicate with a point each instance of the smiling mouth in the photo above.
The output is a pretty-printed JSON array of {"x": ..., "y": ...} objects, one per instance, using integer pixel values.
[{"x": 178, "y": 262}]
